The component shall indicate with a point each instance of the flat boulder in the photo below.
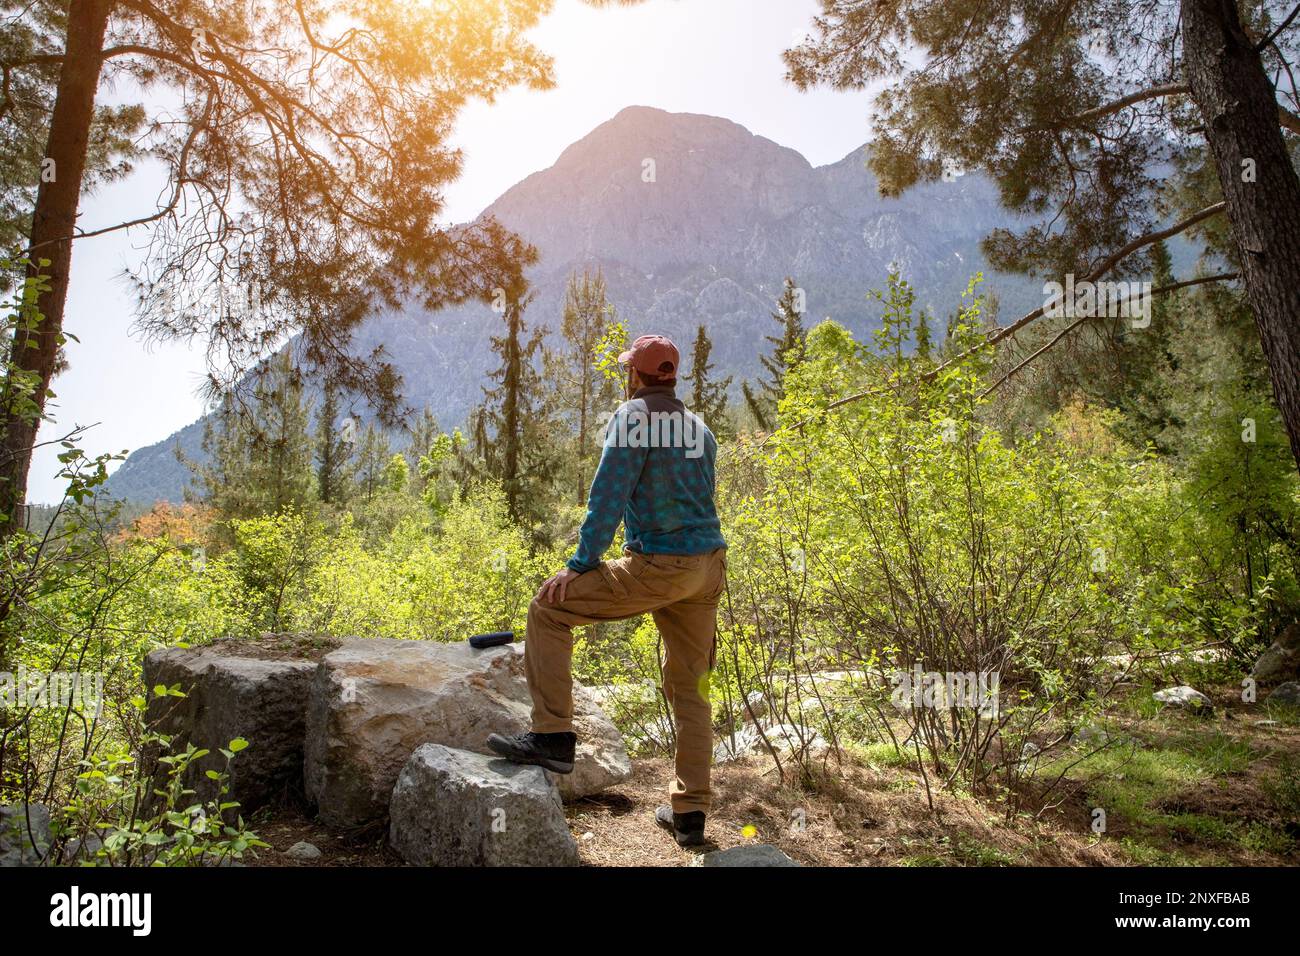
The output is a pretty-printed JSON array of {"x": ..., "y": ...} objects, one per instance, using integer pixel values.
[
  {"x": 456, "y": 808},
  {"x": 231, "y": 692},
  {"x": 375, "y": 700}
]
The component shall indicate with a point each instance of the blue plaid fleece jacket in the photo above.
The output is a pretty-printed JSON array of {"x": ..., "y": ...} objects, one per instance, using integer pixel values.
[{"x": 656, "y": 476}]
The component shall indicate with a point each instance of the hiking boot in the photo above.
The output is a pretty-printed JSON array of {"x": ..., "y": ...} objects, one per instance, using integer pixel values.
[
  {"x": 688, "y": 828},
  {"x": 552, "y": 751}
]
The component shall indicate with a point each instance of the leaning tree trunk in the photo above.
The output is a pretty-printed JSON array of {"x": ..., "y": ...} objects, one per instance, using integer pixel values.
[
  {"x": 53, "y": 222},
  {"x": 1238, "y": 105}
]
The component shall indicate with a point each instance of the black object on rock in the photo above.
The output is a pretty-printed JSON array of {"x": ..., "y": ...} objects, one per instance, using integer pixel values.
[{"x": 495, "y": 639}]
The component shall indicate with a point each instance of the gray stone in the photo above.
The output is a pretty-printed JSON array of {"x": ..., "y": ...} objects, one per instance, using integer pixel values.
[
  {"x": 81, "y": 849},
  {"x": 24, "y": 834},
  {"x": 229, "y": 696},
  {"x": 1186, "y": 697},
  {"x": 304, "y": 851},
  {"x": 1276, "y": 663},
  {"x": 457, "y": 808},
  {"x": 373, "y": 701},
  {"x": 755, "y": 854},
  {"x": 1290, "y": 636},
  {"x": 1288, "y": 693}
]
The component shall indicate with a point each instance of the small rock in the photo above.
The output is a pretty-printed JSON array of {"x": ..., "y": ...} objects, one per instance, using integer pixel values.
[
  {"x": 1288, "y": 693},
  {"x": 756, "y": 854},
  {"x": 1186, "y": 697},
  {"x": 457, "y": 808},
  {"x": 302, "y": 850}
]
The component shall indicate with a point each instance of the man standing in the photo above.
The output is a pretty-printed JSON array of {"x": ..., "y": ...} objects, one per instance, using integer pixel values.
[{"x": 656, "y": 475}]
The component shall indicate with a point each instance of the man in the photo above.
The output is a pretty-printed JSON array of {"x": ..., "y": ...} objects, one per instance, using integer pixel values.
[{"x": 656, "y": 475}]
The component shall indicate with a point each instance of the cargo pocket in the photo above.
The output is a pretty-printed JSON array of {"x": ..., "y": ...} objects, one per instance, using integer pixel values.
[
  {"x": 616, "y": 586},
  {"x": 720, "y": 585},
  {"x": 649, "y": 573}
]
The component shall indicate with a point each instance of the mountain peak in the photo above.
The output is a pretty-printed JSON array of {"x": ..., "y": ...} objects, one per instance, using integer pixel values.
[{"x": 632, "y": 188}]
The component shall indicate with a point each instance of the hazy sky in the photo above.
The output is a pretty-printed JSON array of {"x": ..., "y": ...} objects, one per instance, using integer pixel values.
[{"x": 720, "y": 57}]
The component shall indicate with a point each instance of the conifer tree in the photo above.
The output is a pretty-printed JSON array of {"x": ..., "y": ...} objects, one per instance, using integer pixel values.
[
  {"x": 787, "y": 352},
  {"x": 708, "y": 398}
]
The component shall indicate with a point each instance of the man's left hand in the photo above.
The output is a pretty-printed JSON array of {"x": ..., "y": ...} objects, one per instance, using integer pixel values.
[{"x": 556, "y": 585}]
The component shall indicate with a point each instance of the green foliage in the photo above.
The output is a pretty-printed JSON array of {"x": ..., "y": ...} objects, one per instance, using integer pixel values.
[{"x": 121, "y": 814}]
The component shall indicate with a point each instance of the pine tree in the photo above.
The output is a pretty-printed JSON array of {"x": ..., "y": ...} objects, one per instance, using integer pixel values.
[
  {"x": 334, "y": 464},
  {"x": 708, "y": 398},
  {"x": 788, "y": 351},
  {"x": 587, "y": 316},
  {"x": 259, "y": 452},
  {"x": 424, "y": 433},
  {"x": 373, "y": 456},
  {"x": 514, "y": 431}
]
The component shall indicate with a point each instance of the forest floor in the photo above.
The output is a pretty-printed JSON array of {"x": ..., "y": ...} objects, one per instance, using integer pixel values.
[{"x": 1176, "y": 789}]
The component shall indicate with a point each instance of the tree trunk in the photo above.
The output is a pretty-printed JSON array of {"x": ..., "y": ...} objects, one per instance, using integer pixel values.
[
  {"x": 53, "y": 222},
  {"x": 1238, "y": 105}
]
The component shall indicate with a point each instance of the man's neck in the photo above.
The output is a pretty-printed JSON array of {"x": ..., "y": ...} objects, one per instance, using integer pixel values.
[{"x": 654, "y": 390}]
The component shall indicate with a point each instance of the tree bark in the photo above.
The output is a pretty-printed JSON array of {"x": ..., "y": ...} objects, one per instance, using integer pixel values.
[
  {"x": 1238, "y": 105},
  {"x": 53, "y": 221}
]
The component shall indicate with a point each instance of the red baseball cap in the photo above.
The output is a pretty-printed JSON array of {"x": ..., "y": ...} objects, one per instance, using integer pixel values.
[{"x": 652, "y": 355}]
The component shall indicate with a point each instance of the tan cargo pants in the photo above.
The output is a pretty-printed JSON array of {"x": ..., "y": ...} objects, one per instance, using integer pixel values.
[{"x": 681, "y": 592}]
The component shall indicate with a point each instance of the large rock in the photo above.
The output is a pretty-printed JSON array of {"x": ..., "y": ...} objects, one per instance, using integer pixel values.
[
  {"x": 24, "y": 834},
  {"x": 229, "y": 696},
  {"x": 373, "y": 701},
  {"x": 456, "y": 808}
]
